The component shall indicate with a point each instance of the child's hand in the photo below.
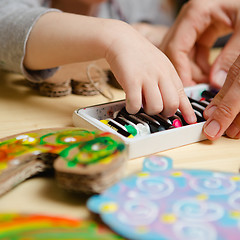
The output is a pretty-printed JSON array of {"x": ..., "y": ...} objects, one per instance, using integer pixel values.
[
  {"x": 144, "y": 72},
  {"x": 146, "y": 75}
]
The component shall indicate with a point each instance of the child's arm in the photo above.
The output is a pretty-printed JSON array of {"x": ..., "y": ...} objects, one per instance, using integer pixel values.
[
  {"x": 16, "y": 20},
  {"x": 144, "y": 72}
]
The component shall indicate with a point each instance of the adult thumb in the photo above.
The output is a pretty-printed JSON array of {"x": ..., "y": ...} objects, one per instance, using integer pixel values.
[{"x": 224, "y": 61}]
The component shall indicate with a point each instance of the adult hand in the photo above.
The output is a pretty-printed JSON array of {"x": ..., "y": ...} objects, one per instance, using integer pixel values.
[
  {"x": 189, "y": 40},
  {"x": 154, "y": 33},
  {"x": 223, "y": 113}
]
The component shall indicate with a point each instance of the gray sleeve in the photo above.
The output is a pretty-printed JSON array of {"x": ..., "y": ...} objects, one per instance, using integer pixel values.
[{"x": 17, "y": 17}]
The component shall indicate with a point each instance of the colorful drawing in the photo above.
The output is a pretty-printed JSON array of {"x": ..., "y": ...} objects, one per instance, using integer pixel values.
[
  {"x": 165, "y": 203},
  {"x": 41, "y": 227},
  {"x": 69, "y": 151},
  {"x": 92, "y": 146}
]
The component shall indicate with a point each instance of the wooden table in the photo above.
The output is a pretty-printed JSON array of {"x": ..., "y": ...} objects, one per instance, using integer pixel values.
[{"x": 23, "y": 109}]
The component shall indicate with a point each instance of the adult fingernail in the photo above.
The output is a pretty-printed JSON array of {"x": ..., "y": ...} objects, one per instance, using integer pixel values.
[
  {"x": 209, "y": 111},
  {"x": 220, "y": 78},
  {"x": 212, "y": 128}
]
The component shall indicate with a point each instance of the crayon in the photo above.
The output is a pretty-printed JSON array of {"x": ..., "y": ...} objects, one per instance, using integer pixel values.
[
  {"x": 202, "y": 103},
  {"x": 199, "y": 116},
  {"x": 117, "y": 128},
  {"x": 154, "y": 127},
  {"x": 142, "y": 127},
  {"x": 129, "y": 127},
  {"x": 198, "y": 107},
  {"x": 176, "y": 121},
  {"x": 208, "y": 94},
  {"x": 179, "y": 114},
  {"x": 166, "y": 123}
]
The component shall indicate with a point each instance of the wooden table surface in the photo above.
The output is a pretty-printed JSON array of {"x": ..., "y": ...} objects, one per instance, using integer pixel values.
[{"x": 23, "y": 109}]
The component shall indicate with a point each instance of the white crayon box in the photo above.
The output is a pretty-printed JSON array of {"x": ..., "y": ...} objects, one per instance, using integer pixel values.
[{"x": 140, "y": 146}]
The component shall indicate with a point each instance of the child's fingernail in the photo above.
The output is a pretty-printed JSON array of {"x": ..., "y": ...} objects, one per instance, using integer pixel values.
[
  {"x": 193, "y": 119},
  {"x": 209, "y": 111},
  {"x": 220, "y": 78},
  {"x": 212, "y": 128}
]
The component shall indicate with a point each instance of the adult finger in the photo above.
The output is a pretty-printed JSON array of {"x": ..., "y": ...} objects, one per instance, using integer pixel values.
[
  {"x": 234, "y": 130},
  {"x": 224, "y": 61},
  {"x": 225, "y": 107},
  {"x": 231, "y": 78}
]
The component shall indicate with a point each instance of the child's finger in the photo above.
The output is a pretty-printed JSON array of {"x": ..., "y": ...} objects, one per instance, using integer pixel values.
[
  {"x": 170, "y": 96},
  {"x": 184, "y": 104},
  {"x": 133, "y": 99},
  {"x": 153, "y": 102}
]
